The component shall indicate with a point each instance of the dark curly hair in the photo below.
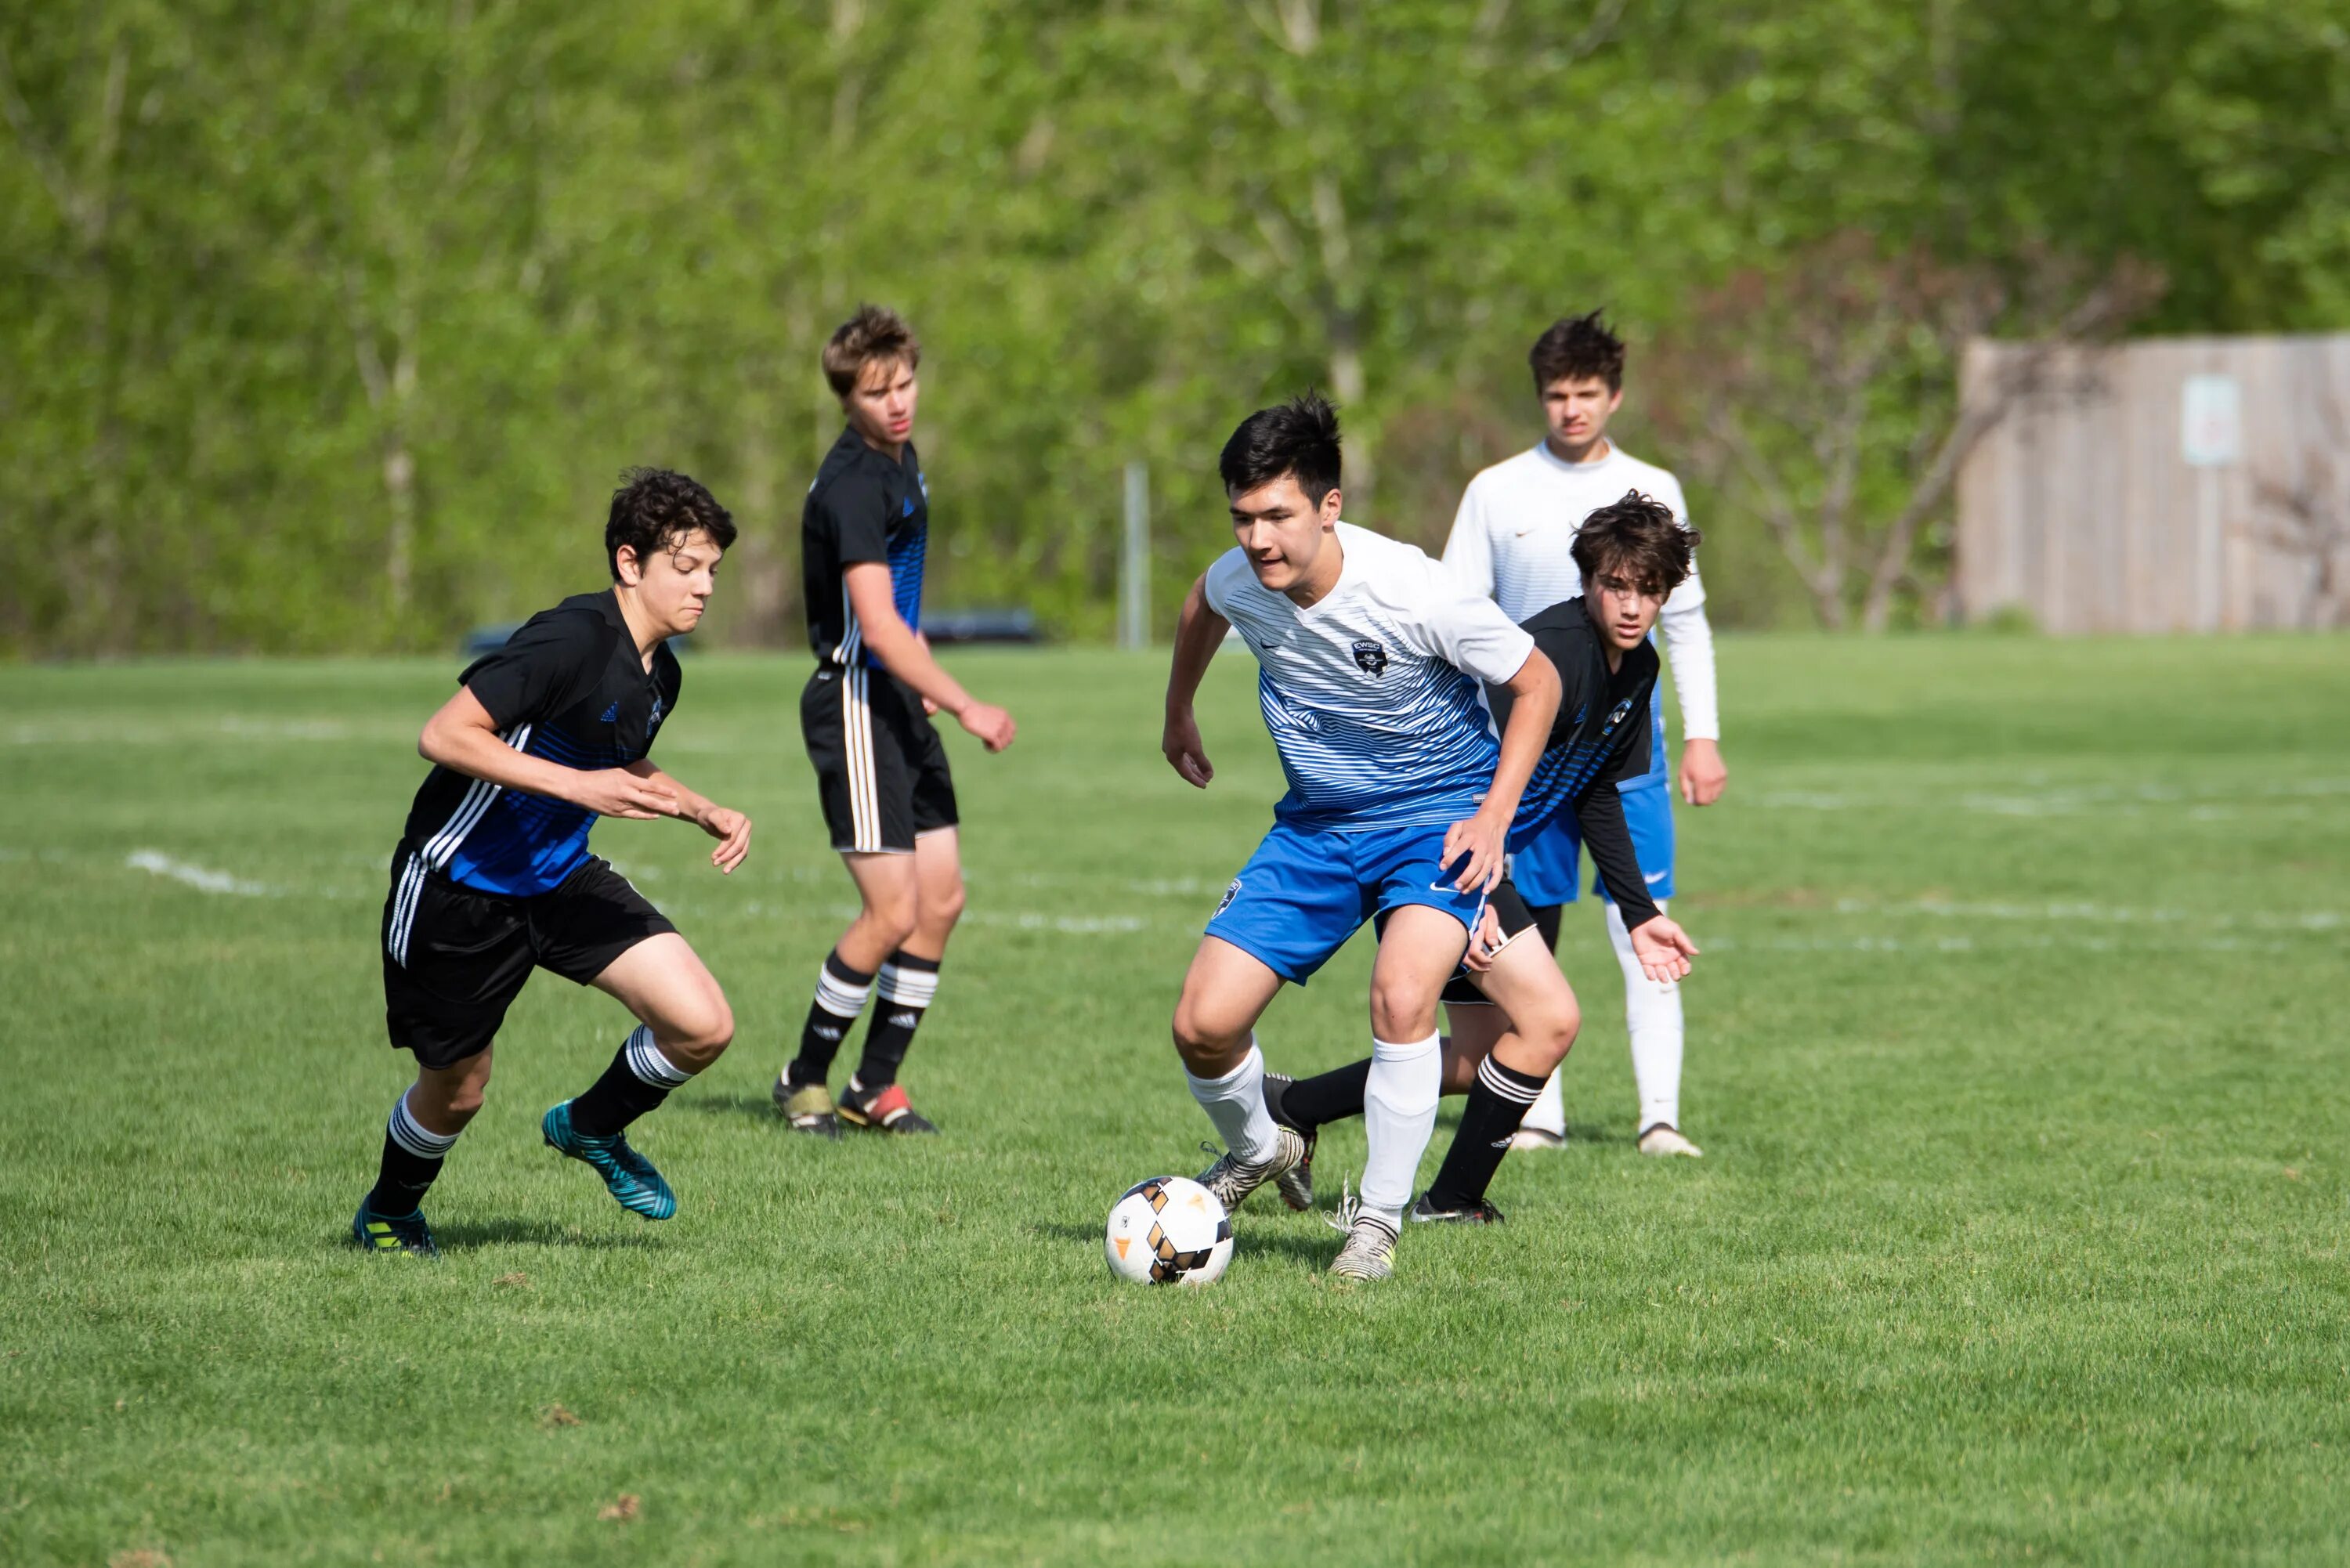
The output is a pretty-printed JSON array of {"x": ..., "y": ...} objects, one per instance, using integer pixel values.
[
  {"x": 654, "y": 508},
  {"x": 1638, "y": 538},
  {"x": 1299, "y": 438},
  {"x": 1576, "y": 346}
]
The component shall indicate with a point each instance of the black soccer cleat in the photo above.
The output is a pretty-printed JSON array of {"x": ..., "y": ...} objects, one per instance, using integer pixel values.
[
  {"x": 1295, "y": 1185},
  {"x": 406, "y": 1234},
  {"x": 885, "y": 1109},
  {"x": 1428, "y": 1211}
]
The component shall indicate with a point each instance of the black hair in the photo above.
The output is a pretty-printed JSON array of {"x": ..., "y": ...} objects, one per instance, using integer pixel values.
[
  {"x": 1299, "y": 438},
  {"x": 1576, "y": 346},
  {"x": 1638, "y": 537},
  {"x": 654, "y": 507}
]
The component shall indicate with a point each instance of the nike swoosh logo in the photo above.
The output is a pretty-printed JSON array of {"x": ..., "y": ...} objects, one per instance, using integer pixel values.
[{"x": 1521, "y": 533}]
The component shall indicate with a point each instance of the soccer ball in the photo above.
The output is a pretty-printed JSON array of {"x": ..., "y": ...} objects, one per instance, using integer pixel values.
[{"x": 1169, "y": 1230}]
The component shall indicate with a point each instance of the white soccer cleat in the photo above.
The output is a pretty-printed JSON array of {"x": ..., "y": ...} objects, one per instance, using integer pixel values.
[
  {"x": 1369, "y": 1251},
  {"x": 1665, "y": 1139},
  {"x": 1536, "y": 1138}
]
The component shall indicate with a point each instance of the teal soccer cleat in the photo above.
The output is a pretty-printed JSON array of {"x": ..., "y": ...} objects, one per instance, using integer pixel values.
[
  {"x": 630, "y": 1176},
  {"x": 406, "y": 1234}
]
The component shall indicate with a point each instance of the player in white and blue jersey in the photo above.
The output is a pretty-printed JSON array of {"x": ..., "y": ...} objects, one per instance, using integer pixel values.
[
  {"x": 1515, "y": 539},
  {"x": 1399, "y": 804}
]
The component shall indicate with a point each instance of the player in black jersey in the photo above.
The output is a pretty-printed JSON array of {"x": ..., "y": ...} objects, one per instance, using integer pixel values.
[
  {"x": 1513, "y": 1017},
  {"x": 881, "y": 773},
  {"x": 492, "y": 877}
]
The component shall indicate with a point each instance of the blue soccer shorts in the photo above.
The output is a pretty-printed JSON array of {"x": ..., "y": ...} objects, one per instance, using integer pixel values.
[
  {"x": 1305, "y": 892},
  {"x": 1545, "y": 870}
]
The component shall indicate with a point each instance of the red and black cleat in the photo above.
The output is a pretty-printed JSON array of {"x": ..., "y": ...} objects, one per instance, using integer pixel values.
[{"x": 885, "y": 1109}]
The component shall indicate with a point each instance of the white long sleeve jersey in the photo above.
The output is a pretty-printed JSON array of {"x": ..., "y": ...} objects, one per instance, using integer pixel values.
[{"x": 1511, "y": 540}]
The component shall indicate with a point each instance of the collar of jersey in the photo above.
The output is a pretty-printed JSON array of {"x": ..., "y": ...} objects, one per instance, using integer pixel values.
[
  {"x": 1349, "y": 573},
  {"x": 1551, "y": 458}
]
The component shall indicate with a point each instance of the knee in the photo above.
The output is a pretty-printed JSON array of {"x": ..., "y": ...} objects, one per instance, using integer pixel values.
[
  {"x": 942, "y": 907},
  {"x": 703, "y": 1037},
  {"x": 464, "y": 1103},
  {"x": 1551, "y": 1034},
  {"x": 1402, "y": 1009},
  {"x": 1208, "y": 1051}
]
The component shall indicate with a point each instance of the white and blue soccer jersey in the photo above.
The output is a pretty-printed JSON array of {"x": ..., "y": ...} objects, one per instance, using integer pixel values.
[{"x": 1372, "y": 693}]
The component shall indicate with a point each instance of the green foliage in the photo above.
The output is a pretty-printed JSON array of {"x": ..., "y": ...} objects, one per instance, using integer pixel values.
[
  {"x": 2018, "y": 1238},
  {"x": 328, "y": 326}
]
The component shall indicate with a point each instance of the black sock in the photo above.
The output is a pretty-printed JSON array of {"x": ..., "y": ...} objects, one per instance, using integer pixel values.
[
  {"x": 840, "y": 994},
  {"x": 412, "y": 1158},
  {"x": 639, "y": 1078},
  {"x": 903, "y": 993},
  {"x": 1546, "y": 922},
  {"x": 1331, "y": 1096},
  {"x": 1498, "y": 1102}
]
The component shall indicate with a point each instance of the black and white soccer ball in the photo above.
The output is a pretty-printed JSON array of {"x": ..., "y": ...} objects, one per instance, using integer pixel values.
[{"x": 1169, "y": 1230}]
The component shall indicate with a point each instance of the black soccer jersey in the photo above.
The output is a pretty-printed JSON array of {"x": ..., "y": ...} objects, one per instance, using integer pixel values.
[
  {"x": 863, "y": 506},
  {"x": 1600, "y": 738},
  {"x": 569, "y": 687}
]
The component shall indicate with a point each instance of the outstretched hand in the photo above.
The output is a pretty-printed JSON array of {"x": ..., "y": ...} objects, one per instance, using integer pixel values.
[{"x": 1663, "y": 949}]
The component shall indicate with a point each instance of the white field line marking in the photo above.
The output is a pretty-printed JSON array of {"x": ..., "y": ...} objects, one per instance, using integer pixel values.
[
  {"x": 2106, "y": 914},
  {"x": 196, "y": 876},
  {"x": 2214, "y": 804}
]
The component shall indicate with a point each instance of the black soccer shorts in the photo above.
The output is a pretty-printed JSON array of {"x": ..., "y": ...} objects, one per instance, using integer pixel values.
[
  {"x": 454, "y": 958},
  {"x": 1516, "y": 921},
  {"x": 881, "y": 768}
]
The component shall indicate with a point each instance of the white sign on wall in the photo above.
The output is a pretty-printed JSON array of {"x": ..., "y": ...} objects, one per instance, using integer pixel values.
[{"x": 2211, "y": 421}]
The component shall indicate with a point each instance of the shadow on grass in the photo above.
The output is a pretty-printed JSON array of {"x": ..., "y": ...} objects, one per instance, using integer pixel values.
[
  {"x": 1316, "y": 1246},
  {"x": 465, "y": 1236},
  {"x": 758, "y": 1107}
]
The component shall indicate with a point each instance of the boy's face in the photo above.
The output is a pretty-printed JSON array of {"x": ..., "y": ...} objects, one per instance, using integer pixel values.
[
  {"x": 675, "y": 582},
  {"x": 1577, "y": 408},
  {"x": 881, "y": 405},
  {"x": 1624, "y": 610},
  {"x": 1283, "y": 532}
]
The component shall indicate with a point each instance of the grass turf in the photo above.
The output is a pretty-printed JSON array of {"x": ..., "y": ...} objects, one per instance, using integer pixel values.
[{"x": 2016, "y": 1049}]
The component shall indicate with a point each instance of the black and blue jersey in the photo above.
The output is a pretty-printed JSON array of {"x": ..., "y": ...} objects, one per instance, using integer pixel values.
[
  {"x": 865, "y": 505},
  {"x": 1601, "y": 737},
  {"x": 570, "y": 687}
]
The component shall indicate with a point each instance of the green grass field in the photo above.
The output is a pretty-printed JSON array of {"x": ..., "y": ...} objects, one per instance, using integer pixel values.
[{"x": 2017, "y": 1050}]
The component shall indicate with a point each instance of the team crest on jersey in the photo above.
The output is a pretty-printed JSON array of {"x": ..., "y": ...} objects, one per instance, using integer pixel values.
[
  {"x": 654, "y": 722},
  {"x": 1226, "y": 901},
  {"x": 1621, "y": 709},
  {"x": 1369, "y": 657}
]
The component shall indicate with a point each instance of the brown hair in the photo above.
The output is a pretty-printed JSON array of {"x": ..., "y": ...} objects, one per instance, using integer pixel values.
[
  {"x": 1636, "y": 537},
  {"x": 1576, "y": 346},
  {"x": 875, "y": 332}
]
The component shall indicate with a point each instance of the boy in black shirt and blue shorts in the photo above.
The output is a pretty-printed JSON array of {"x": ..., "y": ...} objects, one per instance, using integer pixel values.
[
  {"x": 492, "y": 877},
  {"x": 881, "y": 773}
]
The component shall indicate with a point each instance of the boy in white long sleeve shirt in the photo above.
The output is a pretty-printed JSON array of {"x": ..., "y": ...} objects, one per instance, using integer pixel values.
[{"x": 1511, "y": 540}]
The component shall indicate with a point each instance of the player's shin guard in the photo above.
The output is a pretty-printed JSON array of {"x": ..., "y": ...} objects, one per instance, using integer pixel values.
[
  {"x": 1652, "y": 1015},
  {"x": 1497, "y": 1104},
  {"x": 1235, "y": 1103},
  {"x": 639, "y": 1078},
  {"x": 905, "y": 987},
  {"x": 1399, "y": 1114},
  {"x": 840, "y": 994},
  {"x": 412, "y": 1158}
]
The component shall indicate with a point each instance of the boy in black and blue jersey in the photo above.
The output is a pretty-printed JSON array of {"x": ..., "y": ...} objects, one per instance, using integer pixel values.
[{"x": 492, "y": 877}]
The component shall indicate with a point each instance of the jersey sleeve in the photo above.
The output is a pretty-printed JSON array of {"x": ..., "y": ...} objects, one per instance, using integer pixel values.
[
  {"x": 1688, "y": 639},
  {"x": 1216, "y": 583},
  {"x": 1600, "y": 813},
  {"x": 1468, "y": 553},
  {"x": 1446, "y": 620},
  {"x": 855, "y": 510},
  {"x": 546, "y": 666}
]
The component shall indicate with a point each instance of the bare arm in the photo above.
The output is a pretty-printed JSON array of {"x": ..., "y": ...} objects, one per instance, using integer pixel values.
[
  {"x": 907, "y": 654},
  {"x": 1533, "y": 703},
  {"x": 1198, "y": 632},
  {"x": 731, "y": 828},
  {"x": 463, "y": 738}
]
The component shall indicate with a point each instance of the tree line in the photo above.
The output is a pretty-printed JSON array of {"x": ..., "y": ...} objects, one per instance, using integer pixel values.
[{"x": 328, "y": 325}]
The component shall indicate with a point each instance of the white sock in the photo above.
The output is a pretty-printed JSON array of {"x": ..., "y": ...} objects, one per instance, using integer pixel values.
[
  {"x": 1652, "y": 1016},
  {"x": 1548, "y": 1113},
  {"x": 1235, "y": 1103},
  {"x": 1398, "y": 1115}
]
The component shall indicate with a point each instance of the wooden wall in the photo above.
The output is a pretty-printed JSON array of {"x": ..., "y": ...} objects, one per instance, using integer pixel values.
[{"x": 2080, "y": 508}]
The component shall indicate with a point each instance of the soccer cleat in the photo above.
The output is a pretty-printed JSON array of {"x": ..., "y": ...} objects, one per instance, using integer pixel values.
[
  {"x": 885, "y": 1109},
  {"x": 805, "y": 1108},
  {"x": 1427, "y": 1211},
  {"x": 1536, "y": 1138},
  {"x": 1295, "y": 1185},
  {"x": 1232, "y": 1179},
  {"x": 629, "y": 1176},
  {"x": 1663, "y": 1139},
  {"x": 404, "y": 1233},
  {"x": 1369, "y": 1251}
]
